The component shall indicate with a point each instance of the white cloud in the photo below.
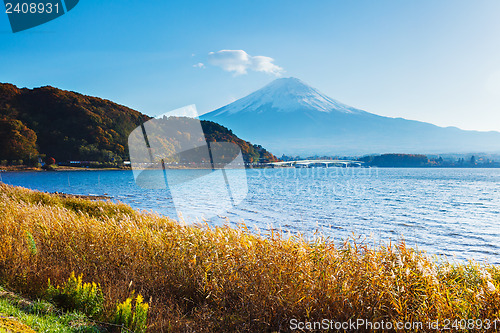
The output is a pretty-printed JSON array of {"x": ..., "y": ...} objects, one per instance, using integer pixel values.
[
  {"x": 199, "y": 65},
  {"x": 239, "y": 62}
]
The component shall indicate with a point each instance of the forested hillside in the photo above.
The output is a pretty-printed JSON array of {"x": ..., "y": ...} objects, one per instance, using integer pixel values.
[{"x": 66, "y": 125}]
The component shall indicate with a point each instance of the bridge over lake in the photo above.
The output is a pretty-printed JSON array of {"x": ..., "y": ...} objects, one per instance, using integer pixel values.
[{"x": 323, "y": 163}]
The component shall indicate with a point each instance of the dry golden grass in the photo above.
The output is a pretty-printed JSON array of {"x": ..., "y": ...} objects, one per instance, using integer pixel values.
[
  {"x": 11, "y": 325},
  {"x": 203, "y": 279}
]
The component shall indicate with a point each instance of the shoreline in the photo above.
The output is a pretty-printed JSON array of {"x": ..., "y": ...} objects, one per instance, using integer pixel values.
[
  {"x": 80, "y": 196},
  {"x": 31, "y": 169}
]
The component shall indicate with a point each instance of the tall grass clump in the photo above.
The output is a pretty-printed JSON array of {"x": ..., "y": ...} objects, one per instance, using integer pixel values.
[
  {"x": 222, "y": 279},
  {"x": 133, "y": 317},
  {"x": 74, "y": 294}
]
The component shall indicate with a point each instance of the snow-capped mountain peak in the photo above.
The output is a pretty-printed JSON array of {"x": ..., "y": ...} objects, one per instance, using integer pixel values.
[{"x": 286, "y": 95}]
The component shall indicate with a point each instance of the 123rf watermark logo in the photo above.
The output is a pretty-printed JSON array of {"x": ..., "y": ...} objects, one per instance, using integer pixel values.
[{"x": 26, "y": 14}]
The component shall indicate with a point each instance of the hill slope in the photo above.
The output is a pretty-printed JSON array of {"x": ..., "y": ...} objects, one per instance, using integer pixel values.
[
  {"x": 67, "y": 125},
  {"x": 290, "y": 117},
  {"x": 70, "y": 126}
]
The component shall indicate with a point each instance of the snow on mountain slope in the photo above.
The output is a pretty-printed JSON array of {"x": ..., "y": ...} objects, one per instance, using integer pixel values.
[
  {"x": 288, "y": 116},
  {"x": 286, "y": 95}
]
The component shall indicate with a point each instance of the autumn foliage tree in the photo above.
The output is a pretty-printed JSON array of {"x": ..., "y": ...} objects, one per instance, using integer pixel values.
[{"x": 18, "y": 142}]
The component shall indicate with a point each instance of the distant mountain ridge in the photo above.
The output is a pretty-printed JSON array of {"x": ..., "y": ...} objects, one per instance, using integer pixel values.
[
  {"x": 70, "y": 126},
  {"x": 290, "y": 117}
]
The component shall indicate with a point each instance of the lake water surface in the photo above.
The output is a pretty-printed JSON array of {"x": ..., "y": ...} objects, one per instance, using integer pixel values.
[{"x": 451, "y": 212}]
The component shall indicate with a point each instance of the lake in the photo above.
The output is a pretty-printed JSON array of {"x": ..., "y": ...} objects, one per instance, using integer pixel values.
[{"x": 449, "y": 212}]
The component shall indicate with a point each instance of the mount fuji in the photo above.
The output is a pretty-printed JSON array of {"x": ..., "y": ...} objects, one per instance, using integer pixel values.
[{"x": 289, "y": 117}]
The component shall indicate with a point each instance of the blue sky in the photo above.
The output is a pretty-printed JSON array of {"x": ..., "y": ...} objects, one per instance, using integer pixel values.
[{"x": 435, "y": 61}]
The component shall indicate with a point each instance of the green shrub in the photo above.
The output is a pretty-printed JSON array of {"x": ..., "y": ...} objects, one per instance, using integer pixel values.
[
  {"x": 133, "y": 318},
  {"x": 50, "y": 167},
  {"x": 76, "y": 295}
]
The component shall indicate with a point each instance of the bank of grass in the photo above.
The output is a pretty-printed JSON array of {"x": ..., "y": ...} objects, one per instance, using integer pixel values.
[
  {"x": 19, "y": 315},
  {"x": 202, "y": 279}
]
